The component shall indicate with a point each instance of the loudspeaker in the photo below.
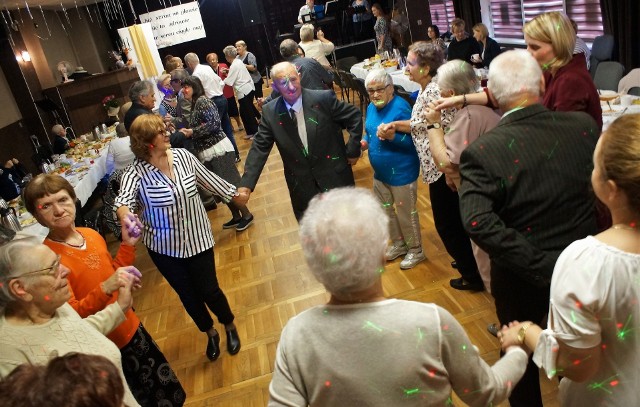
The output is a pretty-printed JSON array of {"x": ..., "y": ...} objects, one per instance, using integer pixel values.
[{"x": 252, "y": 12}]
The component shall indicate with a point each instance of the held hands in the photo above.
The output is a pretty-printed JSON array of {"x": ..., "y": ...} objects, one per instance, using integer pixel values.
[
  {"x": 125, "y": 299},
  {"x": 120, "y": 278},
  {"x": 188, "y": 133},
  {"x": 260, "y": 102},
  {"x": 508, "y": 336},
  {"x": 131, "y": 229},
  {"x": 364, "y": 145},
  {"x": 386, "y": 131},
  {"x": 243, "y": 196}
]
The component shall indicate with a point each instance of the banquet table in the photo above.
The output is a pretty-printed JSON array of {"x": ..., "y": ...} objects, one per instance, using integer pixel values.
[
  {"x": 616, "y": 108},
  {"x": 398, "y": 77}
]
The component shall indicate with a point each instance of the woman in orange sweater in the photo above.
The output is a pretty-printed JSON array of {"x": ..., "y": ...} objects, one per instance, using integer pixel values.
[{"x": 94, "y": 280}]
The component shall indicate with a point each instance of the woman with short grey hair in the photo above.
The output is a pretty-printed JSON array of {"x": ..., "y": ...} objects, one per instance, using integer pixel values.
[
  {"x": 469, "y": 123},
  {"x": 317, "y": 49},
  {"x": 335, "y": 354}
]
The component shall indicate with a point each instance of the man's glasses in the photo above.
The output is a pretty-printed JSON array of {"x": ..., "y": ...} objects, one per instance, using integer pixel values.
[{"x": 377, "y": 90}]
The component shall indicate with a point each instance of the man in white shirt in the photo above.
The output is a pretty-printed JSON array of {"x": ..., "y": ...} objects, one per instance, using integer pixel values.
[
  {"x": 213, "y": 86},
  {"x": 306, "y": 9},
  {"x": 240, "y": 79}
]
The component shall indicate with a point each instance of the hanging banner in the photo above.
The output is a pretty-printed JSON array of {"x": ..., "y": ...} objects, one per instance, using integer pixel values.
[{"x": 175, "y": 25}]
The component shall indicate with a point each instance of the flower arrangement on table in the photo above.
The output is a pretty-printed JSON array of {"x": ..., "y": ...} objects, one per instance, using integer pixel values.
[{"x": 110, "y": 102}]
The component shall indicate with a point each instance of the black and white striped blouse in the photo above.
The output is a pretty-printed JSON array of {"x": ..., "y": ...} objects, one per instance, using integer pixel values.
[{"x": 174, "y": 218}]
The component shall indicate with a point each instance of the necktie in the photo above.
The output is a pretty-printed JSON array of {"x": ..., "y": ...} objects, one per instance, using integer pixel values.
[{"x": 292, "y": 113}]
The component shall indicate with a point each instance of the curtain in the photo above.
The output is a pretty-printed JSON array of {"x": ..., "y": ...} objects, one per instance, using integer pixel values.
[
  {"x": 469, "y": 11},
  {"x": 619, "y": 18},
  {"x": 143, "y": 52}
]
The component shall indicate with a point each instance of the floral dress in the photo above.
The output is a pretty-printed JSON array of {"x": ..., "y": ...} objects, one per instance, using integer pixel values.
[
  {"x": 382, "y": 29},
  {"x": 419, "y": 123}
]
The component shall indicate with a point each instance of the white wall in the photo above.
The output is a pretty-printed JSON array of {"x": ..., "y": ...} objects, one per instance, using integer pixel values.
[{"x": 9, "y": 112}]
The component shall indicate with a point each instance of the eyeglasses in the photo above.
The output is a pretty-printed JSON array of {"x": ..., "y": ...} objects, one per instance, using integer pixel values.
[
  {"x": 53, "y": 270},
  {"x": 377, "y": 90}
]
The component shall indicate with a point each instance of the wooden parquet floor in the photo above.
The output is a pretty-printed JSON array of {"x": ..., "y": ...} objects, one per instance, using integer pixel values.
[{"x": 264, "y": 275}]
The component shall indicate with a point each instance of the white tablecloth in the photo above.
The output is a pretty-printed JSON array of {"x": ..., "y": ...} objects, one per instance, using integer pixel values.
[
  {"x": 85, "y": 186},
  {"x": 398, "y": 76},
  {"x": 618, "y": 110}
]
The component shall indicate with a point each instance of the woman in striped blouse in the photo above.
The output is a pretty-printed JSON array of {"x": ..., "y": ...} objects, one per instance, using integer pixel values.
[{"x": 161, "y": 186}]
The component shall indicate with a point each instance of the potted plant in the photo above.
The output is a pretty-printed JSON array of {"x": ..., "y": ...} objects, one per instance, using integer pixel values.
[{"x": 111, "y": 105}]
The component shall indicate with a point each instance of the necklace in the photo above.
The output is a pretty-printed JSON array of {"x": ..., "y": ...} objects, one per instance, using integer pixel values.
[
  {"x": 70, "y": 244},
  {"x": 622, "y": 226}
]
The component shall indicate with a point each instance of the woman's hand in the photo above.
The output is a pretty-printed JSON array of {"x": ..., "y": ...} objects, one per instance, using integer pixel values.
[
  {"x": 131, "y": 228},
  {"x": 431, "y": 113},
  {"x": 508, "y": 336},
  {"x": 243, "y": 196},
  {"x": 125, "y": 299},
  {"x": 386, "y": 131},
  {"x": 448, "y": 103},
  {"x": 188, "y": 133},
  {"x": 120, "y": 278},
  {"x": 364, "y": 145}
]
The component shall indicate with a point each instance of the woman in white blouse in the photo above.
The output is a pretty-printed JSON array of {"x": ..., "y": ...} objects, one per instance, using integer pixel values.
[
  {"x": 592, "y": 339},
  {"x": 161, "y": 186}
]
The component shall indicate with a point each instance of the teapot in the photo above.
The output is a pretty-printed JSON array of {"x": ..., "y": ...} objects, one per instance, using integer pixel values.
[{"x": 9, "y": 219}]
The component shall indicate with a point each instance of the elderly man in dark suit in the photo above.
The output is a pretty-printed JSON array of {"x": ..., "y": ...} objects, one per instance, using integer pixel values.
[
  {"x": 306, "y": 125},
  {"x": 525, "y": 195}
]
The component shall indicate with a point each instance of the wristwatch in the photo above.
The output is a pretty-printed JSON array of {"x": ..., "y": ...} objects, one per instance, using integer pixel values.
[
  {"x": 434, "y": 126},
  {"x": 522, "y": 332}
]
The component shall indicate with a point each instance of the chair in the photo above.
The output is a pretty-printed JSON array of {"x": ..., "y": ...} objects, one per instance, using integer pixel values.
[
  {"x": 364, "y": 95},
  {"x": 601, "y": 50},
  {"x": 347, "y": 80},
  {"x": 345, "y": 64},
  {"x": 608, "y": 75},
  {"x": 338, "y": 81},
  {"x": 635, "y": 91},
  {"x": 405, "y": 95}
]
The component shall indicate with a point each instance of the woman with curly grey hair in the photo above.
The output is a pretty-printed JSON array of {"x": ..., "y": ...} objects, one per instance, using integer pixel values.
[{"x": 361, "y": 340}]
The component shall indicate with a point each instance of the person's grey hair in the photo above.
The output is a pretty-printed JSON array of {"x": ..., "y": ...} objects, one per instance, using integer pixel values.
[
  {"x": 513, "y": 74},
  {"x": 458, "y": 76},
  {"x": 179, "y": 74},
  {"x": 191, "y": 58},
  {"x": 121, "y": 131},
  {"x": 306, "y": 32},
  {"x": 281, "y": 67},
  {"x": 378, "y": 76},
  {"x": 161, "y": 79},
  {"x": 288, "y": 48},
  {"x": 230, "y": 51},
  {"x": 140, "y": 88},
  {"x": 344, "y": 234},
  {"x": 57, "y": 129},
  {"x": 14, "y": 261}
]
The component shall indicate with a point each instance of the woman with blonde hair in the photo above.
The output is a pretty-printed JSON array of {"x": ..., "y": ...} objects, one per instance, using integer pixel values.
[
  {"x": 489, "y": 48},
  {"x": 590, "y": 338},
  {"x": 316, "y": 49},
  {"x": 550, "y": 39}
]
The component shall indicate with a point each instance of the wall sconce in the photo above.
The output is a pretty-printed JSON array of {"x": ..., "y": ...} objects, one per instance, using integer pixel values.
[{"x": 25, "y": 56}]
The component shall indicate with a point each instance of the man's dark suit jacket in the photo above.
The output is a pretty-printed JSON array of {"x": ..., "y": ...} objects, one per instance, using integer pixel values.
[
  {"x": 134, "y": 111},
  {"x": 324, "y": 165},
  {"x": 312, "y": 76},
  {"x": 525, "y": 193}
]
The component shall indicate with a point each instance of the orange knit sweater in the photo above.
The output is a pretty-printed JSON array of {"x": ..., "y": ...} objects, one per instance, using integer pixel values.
[{"x": 89, "y": 267}]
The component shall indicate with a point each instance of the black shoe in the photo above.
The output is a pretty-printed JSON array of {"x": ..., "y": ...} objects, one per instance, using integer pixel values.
[
  {"x": 244, "y": 223},
  {"x": 213, "y": 347},
  {"x": 233, "y": 223},
  {"x": 211, "y": 205},
  {"x": 460, "y": 284},
  {"x": 237, "y": 159},
  {"x": 233, "y": 341},
  {"x": 493, "y": 329},
  {"x": 454, "y": 265}
]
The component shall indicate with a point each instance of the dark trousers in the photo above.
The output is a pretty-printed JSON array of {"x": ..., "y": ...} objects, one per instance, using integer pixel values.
[
  {"x": 148, "y": 374},
  {"x": 446, "y": 217},
  {"x": 517, "y": 300},
  {"x": 225, "y": 122},
  {"x": 247, "y": 113},
  {"x": 194, "y": 279},
  {"x": 258, "y": 86}
]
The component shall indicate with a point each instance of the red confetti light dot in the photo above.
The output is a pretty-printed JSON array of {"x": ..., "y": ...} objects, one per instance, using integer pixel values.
[
  {"x": 509, "y": 383},
  {"x": 619, "y": 325},
  {"x": 516, "y": 161},
  {"x": 576, "y": 362},
  {"x": 326, "y": 250},
  {"x": 632, "y": 224},
  {"x": 327, "y": 384},
  {"x": 614, "y": 383},
  {"x": 466, "y": 390},
  {"x": 432, "y": 373},
  {"x": 445, "y": 327},
  {"x": 328, "y": 156},
  {"x": 474, "y": 223},
  {"x": 47, "y": 298},
  {"x": 578, "y": 304},
  {"x": 604, "y": 346}
]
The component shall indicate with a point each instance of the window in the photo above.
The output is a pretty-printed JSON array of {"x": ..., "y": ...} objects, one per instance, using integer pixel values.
[
  {"x": 508, "y": 16},
  {"x": 441, "y": 14}
]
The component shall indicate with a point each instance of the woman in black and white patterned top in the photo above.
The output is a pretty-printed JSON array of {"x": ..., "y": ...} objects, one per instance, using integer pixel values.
[
  {"x": 160, "y": 185},
  {"x": 423, "y": 61}
]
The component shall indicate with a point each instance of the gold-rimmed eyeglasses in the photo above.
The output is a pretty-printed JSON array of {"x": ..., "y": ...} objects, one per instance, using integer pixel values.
[
  {"x": 53, "y": 270},
  {"x": 377, "y": 90}
]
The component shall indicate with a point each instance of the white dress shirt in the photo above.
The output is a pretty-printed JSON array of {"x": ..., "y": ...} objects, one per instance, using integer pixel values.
[
  {"x": 211, "y": 82},
  {"x": 240, "y": 79},
  {"x": 119, "y": 154},
  {"x": 302, "y": 129}
]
